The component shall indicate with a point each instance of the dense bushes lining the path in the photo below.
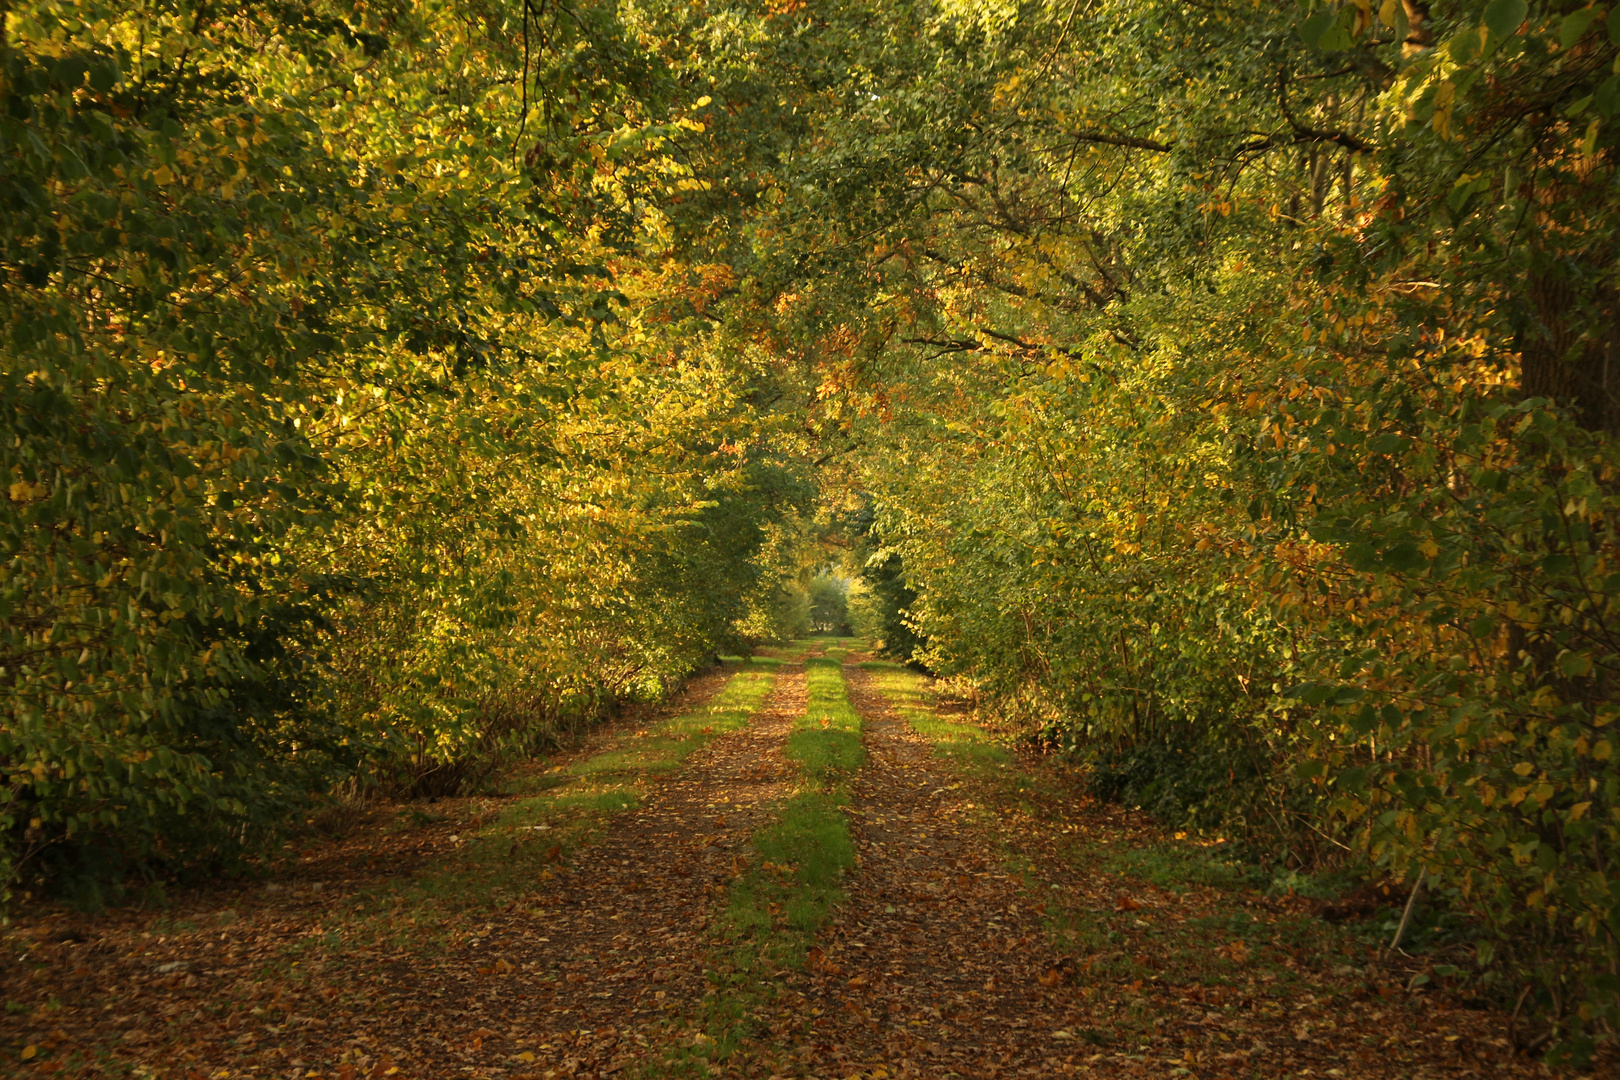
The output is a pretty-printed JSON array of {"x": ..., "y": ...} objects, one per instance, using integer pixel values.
[
  {"x": 336, "y": 449},
  {"x": 1239, "y": 394}
]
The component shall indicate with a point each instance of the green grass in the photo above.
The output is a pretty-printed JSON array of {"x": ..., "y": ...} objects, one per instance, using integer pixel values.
[
  {"x": 522, "y": 842},
  {"x": 793, "y": 885},
  {"x": 826, "y": 740},
  {"x": 805, "y": 853},
  {"x": 1178, "y": 866}
]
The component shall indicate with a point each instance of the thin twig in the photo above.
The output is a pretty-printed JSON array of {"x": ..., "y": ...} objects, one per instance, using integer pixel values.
[
  {"x": 1513, "y": 1021},
  {"x": 1400, "y": 930},
  {"x": 523, "y": 119}
]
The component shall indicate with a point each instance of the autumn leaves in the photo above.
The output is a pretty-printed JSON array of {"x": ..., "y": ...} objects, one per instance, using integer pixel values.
[{"x": 789, "y": 888}]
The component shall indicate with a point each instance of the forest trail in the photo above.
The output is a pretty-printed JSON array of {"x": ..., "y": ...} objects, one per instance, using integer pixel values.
[
  {"x": 933, "y": 966},
  {"x": 983, "y": 934},
  {"x": 1002, "y": 925}
]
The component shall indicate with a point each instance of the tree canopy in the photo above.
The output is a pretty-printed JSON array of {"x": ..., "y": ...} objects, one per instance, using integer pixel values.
[{"x": 1227, "y": 393}]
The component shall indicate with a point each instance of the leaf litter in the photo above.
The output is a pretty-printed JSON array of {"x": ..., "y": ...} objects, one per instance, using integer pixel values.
[{"x": 990, "y": 929}]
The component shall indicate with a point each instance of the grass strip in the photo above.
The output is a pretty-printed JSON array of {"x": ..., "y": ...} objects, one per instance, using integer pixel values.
[
  {"x": 504, "y": 855},
  {"x": 793, "y": 884},
  {"x": 969, "y": 746}
]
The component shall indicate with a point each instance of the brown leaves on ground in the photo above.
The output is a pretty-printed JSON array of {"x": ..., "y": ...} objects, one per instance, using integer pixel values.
[
  {"x": 986, "y": 940},
  {"x": 983, "y": 936}
]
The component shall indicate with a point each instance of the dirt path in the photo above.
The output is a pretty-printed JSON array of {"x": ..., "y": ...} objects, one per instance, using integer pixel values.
[
  {"x": 557, "y": 979},
  {"x": 932, "y": 967},
  {"x": 626, "y": 939},
  {"x": 984, "y": 933}
]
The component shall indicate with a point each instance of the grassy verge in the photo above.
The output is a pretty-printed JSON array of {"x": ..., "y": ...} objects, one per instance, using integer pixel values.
[
  {"x": 1232, "y": 939},
  {"x": 504, "y": 852},
  {"x": 792, "y": 885}
]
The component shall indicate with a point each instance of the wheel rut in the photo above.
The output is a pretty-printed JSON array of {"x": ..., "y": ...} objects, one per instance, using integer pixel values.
[
  {"x": 610, "y": 952},
  {"x": 932, "y": 967}
]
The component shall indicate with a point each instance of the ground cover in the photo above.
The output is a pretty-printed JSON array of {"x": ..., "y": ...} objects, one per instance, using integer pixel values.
[
  {"x": 811, "y": 868},
  {"x": 792, "y": 885},
  {"x": 1148, "y": 952},
  {"x": 254, "y": 979}
]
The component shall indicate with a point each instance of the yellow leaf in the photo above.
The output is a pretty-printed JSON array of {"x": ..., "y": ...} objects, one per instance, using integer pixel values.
[
  {"x": 1589, "y": 142},
  {"x": 526, "y": 1057},
  {"x": 29, "y": 1052},
  {"x": 1579, "y": 810},
  {"x": 1386, "y": 13},
  {"x": 1442, "y": 109},
  {"x": 1523, "y": 768}
]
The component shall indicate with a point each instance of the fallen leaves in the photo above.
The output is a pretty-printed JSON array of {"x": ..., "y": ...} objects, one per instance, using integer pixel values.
[
  {"x": 1060, "y": 973},
  {"x": 953, "y": 955}
]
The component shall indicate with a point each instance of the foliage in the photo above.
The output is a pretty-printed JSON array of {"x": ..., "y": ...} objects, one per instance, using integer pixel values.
[
  {"x": 353, "y": 428},
  {"x": 1235, "y": 389},
  {"x": 882, "y": 610},
  {"x": 829, "y": 605},
  {"x": 1225, "y": 393}
]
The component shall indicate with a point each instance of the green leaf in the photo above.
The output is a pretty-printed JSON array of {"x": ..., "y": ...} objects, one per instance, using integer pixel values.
[
  {"x": 1312, "y": 693},
  {"x": 1362, "y": 556},
  {"x": 1575, "y": 26},
  {"x": 1589, "y": 143},
  {"x": 1574, "y": 664},
  {"x": 1504, "y": 17},
  {"x": 1365, "y": 721},
  {"x": 1607, "y": 97},
  {"x": 1404, "y": 556},
  {"x": 1312, "y": 29}
]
